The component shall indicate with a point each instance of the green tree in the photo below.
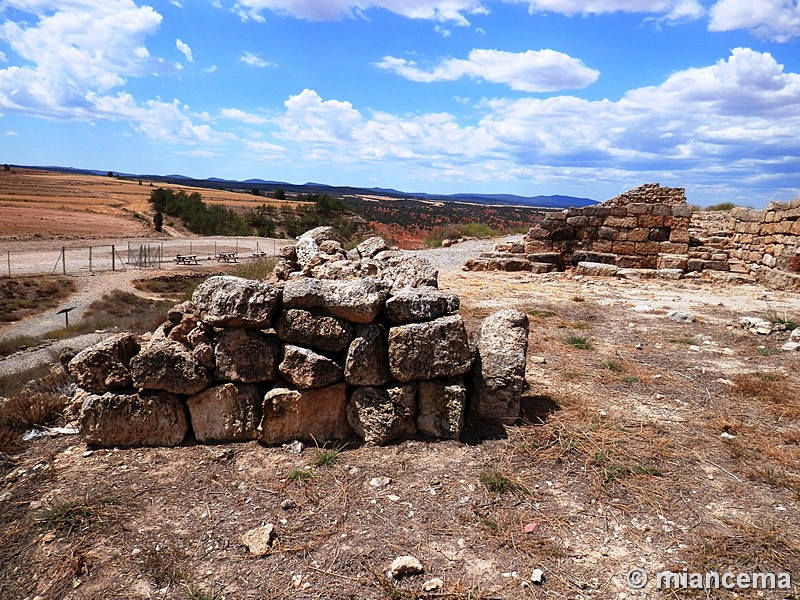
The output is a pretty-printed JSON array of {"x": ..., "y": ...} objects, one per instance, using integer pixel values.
[
  {"x": 158, "y": 221},
  {"x": 279, "y": 194}
]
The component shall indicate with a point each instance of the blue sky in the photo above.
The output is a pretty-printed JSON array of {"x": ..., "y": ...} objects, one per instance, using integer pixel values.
[{"x": 586, "y": 98}]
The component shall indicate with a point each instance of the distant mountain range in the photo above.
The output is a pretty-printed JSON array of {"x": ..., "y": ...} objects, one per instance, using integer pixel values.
[{"x": 263, "y": 186}]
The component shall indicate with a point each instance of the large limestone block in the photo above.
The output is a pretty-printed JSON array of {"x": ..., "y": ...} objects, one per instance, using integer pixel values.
[
  {"x": 404, "y": 270},
  {"x": 226, "y": 301},
  {"x": 310, "y": 415},
  {"x": 379, "y": 416},
  {"x": 131, "y": 419},
  {"x": 328, "y": 334},
  {"x": 441, "y": 405},
  {"x": 226, "y": 413},
  {"x": 357, "y": 301},
  {"x": 246, "y": 355},
  {"x": 306, "y": 369},
  {"x": 429, "y": 350},
  {"x": 166, "y": 365},
  {"x": 105, "y": 366},
  {"x": 498, "y": 373},
  {"x": 412, "y": 305},
  {"x": 367, "y": 360},
  {"x": 371, "y": 246}
]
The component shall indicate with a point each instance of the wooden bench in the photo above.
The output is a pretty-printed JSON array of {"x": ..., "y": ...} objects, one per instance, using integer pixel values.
[
  {"x": 227, "y": 257},
  {"x": 186, "y": 259}
]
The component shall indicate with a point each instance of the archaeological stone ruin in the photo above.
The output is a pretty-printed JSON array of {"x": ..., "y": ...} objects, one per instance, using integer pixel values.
[
  {"x": 652, "y": 228},
  {"x": 368, "y": 347}
]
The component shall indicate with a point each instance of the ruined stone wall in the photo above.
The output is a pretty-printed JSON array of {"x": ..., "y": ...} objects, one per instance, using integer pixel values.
[
  {"x": 647, "y": 227},
  {"x": 767, "y": 241},
  {"x": 310, "y": 359}
]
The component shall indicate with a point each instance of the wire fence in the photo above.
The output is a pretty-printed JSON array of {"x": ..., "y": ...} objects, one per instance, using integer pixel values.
[{"x": 135, "y": 254}]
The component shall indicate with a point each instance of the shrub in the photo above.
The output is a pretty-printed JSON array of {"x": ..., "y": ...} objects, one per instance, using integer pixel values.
[{"x": 576, "y": 341}]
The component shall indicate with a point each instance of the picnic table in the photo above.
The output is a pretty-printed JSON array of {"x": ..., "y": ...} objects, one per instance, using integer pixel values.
[
  {"x": 227, "y": 257},
  {"x": 260, "y": 255},
  {"x": 186, "y": 259}
]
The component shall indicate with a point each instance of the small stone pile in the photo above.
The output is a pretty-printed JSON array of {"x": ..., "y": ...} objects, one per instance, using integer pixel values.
[{"x": 309, "y": 359}]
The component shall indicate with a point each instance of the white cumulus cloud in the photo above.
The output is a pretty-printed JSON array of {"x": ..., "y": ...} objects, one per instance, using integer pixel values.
[
  {"x": 234, "y": 114},
  {"x": 674, "y": 8},
  {"x": 254, "y": 60},
  {"x": 455, "y": 11},
  {"x": 777, "y": 20},
  {"x": 531, "y": 71},
  {"x": 184, "y": 49}
]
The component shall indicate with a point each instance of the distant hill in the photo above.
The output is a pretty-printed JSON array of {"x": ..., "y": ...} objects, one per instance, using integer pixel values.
[{"x": 554, "y": 202}]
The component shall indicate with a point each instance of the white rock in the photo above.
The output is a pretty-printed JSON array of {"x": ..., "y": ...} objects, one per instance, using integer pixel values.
[
  {"x": 379, "y": 482},
  {"x": 405, "y": 565},
  {"x": 259, "y": 540},
  {"x": 537, "y": 576},
  {"x": 790, "y": 347},
  {"x": 433, "y": 585}
]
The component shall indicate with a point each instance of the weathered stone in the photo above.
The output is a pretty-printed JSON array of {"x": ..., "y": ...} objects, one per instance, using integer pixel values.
[
  {"x": 405, "y": 566},
  {"x": 498, "y": 372},
  {"x": 441, "y": 407},
  {"x": 105, "y": 366},
  {"x": 305, "y": 368},
  {"x": 323, "y": 333},
  {"x": 167, "y": 365},
  {"x": 429, "y": 350},
  {"x": 235, "y": 302},
  {"x": 411, "y": 305},
  {"x": 309, "y": 415},
  {"x": 596, "y": 269},
  {"x": 371, "y": 246},
  {"x": 131, "y": 419},
  {"x": 357, "y": 301},
  {"x": 230, "y": 412},
  {"x": 379, "y": 416},
  {"x": 246, "y": 355},
  {"x": 367, "y": 361},
  {"x": 408, "y": 271},
  {"x": 258, "y": 541}
]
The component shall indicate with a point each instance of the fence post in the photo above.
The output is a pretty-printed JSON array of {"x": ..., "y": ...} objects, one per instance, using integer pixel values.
[
  {"x": 90, "y": 259},
  {"x": 64, "y": 259},
  {"x": 9, "y": 264},
  {"x": 113, "y": 258}
]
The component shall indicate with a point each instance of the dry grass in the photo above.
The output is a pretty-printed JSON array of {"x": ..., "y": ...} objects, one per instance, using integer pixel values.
[{"x": 21, "y": 297}]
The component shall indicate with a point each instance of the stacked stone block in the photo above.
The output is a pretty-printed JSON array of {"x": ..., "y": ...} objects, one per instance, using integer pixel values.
[
  {"x": 313, "y": 360},
  {"x": 765, "y": 243}
]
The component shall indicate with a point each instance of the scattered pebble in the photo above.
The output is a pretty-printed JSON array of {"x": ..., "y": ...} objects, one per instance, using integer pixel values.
[
  {"x": 379, "y": 482},
  {"x": 288, "y": 504},
  {"x": 259, "y": 540},
  {"x": 537, "y": 576},
  {"x": 295, "y": 447}
]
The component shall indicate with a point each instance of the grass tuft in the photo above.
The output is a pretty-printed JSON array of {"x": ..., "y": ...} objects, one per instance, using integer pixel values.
[
  {"x": 579, "y": 342},
  {"x": 497, "y": 482},
  {"x": 327, "y": 457},
  {"x": 258, "y": 269},
  {"x": 299, "y": 474}
]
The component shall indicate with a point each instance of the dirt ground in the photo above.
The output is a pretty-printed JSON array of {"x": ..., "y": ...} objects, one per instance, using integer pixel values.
[{"x": 646, "y": 443}]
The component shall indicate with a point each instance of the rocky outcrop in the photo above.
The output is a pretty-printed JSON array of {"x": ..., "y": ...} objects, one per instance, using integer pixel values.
[{"x": 498, "y": 371}]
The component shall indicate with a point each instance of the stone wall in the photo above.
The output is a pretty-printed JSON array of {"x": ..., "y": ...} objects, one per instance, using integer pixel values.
[
  {"x": 765, "y": 242},
  {"x": 309, "y": 359},
  {"x": 647, "y": 227}
]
